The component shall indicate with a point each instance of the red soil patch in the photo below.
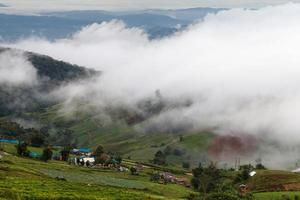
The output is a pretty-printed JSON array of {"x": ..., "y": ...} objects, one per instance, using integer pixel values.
[
  {"x": 230, "y": 146},
  {"x": 292, "y": 187}
]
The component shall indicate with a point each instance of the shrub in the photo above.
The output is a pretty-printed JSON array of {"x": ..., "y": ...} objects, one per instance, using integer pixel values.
[
  {"x": 159, "y": 158},
  {"x": 222, "y": 196},
  {"x": 155, "y": 176},
  {"x": 186, "y": 165},
  {"x": 47, "y": 154},
  {"x": 22, "y": 149},
  {"x": 133, "y": 171},
  {"x": 260, "y": 166}
]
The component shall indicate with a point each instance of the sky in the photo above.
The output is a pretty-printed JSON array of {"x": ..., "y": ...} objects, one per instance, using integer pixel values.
[{"x": 54, "y": 5}]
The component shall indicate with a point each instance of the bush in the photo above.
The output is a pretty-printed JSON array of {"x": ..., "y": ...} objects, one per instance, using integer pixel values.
[
  {"x": 133, "y": 171},
  {"x": 229, "y": 196},
  {"x": 22, "y": 149},
  {"x": 260, "y": 166},
  {"x": 168, "y": 150},
  {"x": 65, "y": 153},
  {"x": 47, "y": 154},
  {"x": 155, "y": 176},
  {"x": 36, "y": 139},
  {"x": 222, "y": 196},
  {"x": 206, "y": 179},
  {"x": 186, "y": 165},
  {"x": 159, "y": 158},
  {"x": 178, "y": 152},
  {"x": 98, "y": 153}
]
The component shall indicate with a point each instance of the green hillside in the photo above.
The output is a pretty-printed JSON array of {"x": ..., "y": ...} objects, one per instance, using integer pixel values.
[{"x": 90, "y": 130}]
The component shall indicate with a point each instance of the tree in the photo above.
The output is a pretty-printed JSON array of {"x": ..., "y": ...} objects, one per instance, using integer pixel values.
[
  {"x": 87, "y": 163},
  {"x": 244, "y": 173},
  {"x": 64, "y": 137},
  {"x": 104, "y": 159},
  {"x": 197, "y": 172},
  {"x": 186, "y": 165},
  {"x": 47, "y": 154},
  {"x": 178, "y": 152},
  {"x": 22, "y": 149},
  {"x": 36, "y": 138},
  {"x": 133, "y": 171},
  {"x": 65, "y": 152},
  {"x": 260, "y": 166},
  {"x": 97, "y": 153},
  {"x": 180, "y": 138},
  {"x": 168, "y": 150},
  {"x": 159, "y": 158},
  {"x": 206, "y": 179},
  {"x": 155, "y": 177},
  {"x": 118, "y": 158}
]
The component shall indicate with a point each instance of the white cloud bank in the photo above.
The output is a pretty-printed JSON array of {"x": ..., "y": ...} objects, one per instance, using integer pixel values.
[
  {"x": 16, "y": 70},
  {"x": 241, "y": 68}
]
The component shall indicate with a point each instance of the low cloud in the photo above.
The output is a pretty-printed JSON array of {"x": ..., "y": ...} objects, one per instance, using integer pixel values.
[{"x": 15, "y": 69}]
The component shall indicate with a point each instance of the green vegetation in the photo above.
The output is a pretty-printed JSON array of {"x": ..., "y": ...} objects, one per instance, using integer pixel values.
[
  {"x": 277, "y": 196},
  {"x": 24, "y": 178}
]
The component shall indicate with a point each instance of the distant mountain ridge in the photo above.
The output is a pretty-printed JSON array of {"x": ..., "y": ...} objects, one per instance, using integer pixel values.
[{"x": 54, "y": 25}]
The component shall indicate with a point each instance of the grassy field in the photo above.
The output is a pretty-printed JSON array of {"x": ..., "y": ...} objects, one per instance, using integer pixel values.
[
  {"x": 277, "y": 195},
  {"x": 22, "y": 178},
  {"x": 275, "y": 180}
]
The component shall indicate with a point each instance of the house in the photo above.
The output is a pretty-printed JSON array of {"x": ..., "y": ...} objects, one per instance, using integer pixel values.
[
  {"x": 243, "y": 188},
  {"x": 82, "y": 151},
  {"x": 90, "y": 160},
  {"x": 85, "y": 161},
  {"x": 122, "y": 169},
  {"x": 168, "y": 177},
  {"x": 12, "y": 141},
  {"x": 35, "y": 155}
]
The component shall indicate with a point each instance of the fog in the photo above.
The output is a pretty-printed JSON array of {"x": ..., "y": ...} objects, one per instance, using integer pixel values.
[
  {"x": 239, "y": 68},
  {"x": 16, "y": 70}
]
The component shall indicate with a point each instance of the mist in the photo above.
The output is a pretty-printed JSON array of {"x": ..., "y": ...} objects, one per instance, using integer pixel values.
[
  {"x": 16, "y": 70},
  {"x": 240, "y": 69}
]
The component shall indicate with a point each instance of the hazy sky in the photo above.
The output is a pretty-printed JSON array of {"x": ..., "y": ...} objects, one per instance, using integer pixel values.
[{"x": 41, "y": 5}]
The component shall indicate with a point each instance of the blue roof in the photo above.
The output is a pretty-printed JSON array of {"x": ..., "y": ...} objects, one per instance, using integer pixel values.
[
  {"x": 35, "y": 154},
  {"x": 85, "y": 150},
  {"x": 9, "y": 141}
]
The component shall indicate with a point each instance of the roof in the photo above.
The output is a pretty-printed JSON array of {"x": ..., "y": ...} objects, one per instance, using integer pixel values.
[
  {"x": 9, "y": 141},
  {"x": 82, "y": 150},
  {"x": 85, "y": 150}
]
